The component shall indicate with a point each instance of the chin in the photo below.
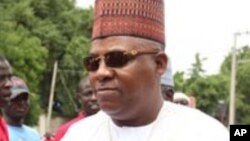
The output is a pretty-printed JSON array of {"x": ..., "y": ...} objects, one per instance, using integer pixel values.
[{"x": 92, "y": 112}]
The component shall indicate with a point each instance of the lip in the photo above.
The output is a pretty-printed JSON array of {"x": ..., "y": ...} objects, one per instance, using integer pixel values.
[
  {"x": 3, "y": 101},
  {"x": 5, "y": 96},
  {"x": 106, "y": 97},
  {"x": 5, "y": 93},
  {"x": 106, "y": 91},
  {"x": 94, "y": 106}
]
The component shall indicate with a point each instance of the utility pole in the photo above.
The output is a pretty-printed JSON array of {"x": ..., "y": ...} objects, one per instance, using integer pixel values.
[
  {"x": 232, "y": 85},
  {"x": 233, "y": 77},
  {"x": 51, "y": 97}
]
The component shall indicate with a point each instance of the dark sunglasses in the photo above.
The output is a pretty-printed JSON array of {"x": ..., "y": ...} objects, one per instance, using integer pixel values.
[{"x": 114, "y": 59}]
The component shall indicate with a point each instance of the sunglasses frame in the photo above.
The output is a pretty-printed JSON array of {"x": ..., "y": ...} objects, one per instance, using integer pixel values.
[{"x": 129, "y": 55}]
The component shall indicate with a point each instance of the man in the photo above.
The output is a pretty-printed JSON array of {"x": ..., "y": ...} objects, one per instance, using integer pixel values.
[
  {"x": 16, "y": 110},
  {"x": 182, "y": 99},
  {"x": 167, "y": 84},
  {"x": 125, "y": 65},
  {"x": 5, "y": 83},
  {"x": 89, "y": 106}
]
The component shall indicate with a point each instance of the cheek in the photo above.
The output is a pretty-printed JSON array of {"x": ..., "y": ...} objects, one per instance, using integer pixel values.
[
  {"x": 1, "y": 84},
  {"x": 84, "y": 100},
  {"x": 11, "y": 109},
  {"x": 135, "y": 80},
  {"x": 92, "y": 79}
]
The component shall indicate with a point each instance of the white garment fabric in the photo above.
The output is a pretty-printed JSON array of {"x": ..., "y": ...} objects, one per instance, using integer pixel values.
[
  {"x": 127, "y": 133},
  {"x": 174, "y": 123}
]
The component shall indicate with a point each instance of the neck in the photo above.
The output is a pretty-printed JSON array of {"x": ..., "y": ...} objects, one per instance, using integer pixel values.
[
  {"x": 14, "y": 122},
  {"x": 143, "y": 118}
]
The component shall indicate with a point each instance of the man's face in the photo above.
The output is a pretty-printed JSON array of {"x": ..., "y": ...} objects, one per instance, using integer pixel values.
[
  {"x": 125, "y": 90},
  {"x": 18, "y": 107},
  {"x": 88, "y": 99},
  {"x": 5, "y": 83}
]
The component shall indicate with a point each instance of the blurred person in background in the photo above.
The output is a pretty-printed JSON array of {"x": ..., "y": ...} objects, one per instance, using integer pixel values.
[
  {"x": 167, "y": 83},
  {"x": 16, "y": 110},
  {"x": 182, "y": 99},
  {"x": 5, "y": 84},
  {"x": 88, "y": 103}
]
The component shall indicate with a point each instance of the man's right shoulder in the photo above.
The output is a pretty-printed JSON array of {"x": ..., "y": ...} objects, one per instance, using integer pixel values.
[
  {"x": 93, "y": 120},
  {"x": 86, "y": 127}
]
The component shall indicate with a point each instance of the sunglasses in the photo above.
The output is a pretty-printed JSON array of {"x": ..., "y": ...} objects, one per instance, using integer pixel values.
[{"x": 113, "y": 59}]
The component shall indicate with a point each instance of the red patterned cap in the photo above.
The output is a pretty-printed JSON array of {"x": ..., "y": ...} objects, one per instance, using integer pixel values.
[{"x": 139, "y": 18}]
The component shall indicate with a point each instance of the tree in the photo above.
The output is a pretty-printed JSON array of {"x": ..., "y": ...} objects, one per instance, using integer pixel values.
[
  {"x": 66, "y": 34},
  {"x": 179, "y": 81},
  {"x": 24, "y": 51},
  {"x": 242, "y": 83},
  {"x": 34, "y": 34},
  {"x": 208, "y": 90}
]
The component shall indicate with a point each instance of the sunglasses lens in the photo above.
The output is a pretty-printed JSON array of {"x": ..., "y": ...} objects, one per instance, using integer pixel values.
[
  {"x": 116, "y": 59},
  {"x": 91, "y": 63}
]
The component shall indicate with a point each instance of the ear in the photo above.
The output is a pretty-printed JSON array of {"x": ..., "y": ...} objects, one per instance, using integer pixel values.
[{"x": 161, "y": 62}]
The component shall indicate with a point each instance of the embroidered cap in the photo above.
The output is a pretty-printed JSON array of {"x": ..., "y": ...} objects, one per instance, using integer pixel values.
[{"x": 139, "y": 18}]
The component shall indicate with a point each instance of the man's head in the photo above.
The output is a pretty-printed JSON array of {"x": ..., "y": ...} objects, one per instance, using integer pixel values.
[
  {"x": 127, "y": 59},
  {"x": 86, "y": 97},
  {"x": 5, "y": 83},
  {"x": 167, "y": 83},
  {"x": 18, "y": 106},
  {"x": 181, "y": 98}
]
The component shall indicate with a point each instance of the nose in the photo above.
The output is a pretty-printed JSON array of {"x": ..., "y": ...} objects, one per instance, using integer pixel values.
[
  {"x": 8, "y": 83},
  {"x": 93, "y": 97},
  {"x": 103, "y": 73}
]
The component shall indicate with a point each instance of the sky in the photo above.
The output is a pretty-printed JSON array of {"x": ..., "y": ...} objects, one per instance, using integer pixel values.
[{"x": 206, "y": 27}]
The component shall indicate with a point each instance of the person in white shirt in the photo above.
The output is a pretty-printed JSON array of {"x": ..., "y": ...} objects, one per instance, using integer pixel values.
[
  {"x": 125, "y": 65},
  {"x": 167, "y": 83},
  {"x": 181, "y": 98}
]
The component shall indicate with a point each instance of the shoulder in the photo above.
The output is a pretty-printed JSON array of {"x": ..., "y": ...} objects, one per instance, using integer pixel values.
[
  {"x": 89, "y": 125},
  {"x": 186, "y": 114},
  {"x": 192, "y": 122},
  {"x": 31, "y": 132},
  {"x": 65, "y": 126},
  {"x": 63, "y": 129},
  {"x": 3, "y": 129},
  {"x": 94, "y": 120}
]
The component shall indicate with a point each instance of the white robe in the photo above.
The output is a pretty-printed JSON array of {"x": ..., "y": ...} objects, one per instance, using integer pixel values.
[{"x": 174, "y": 123}]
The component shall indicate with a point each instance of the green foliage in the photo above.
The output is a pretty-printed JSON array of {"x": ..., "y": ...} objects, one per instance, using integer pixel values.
[
  {"x": 213, "y": 91},
  {"x": 35, "y": 110},
  {"x": 24, "y": 52},
  {"x": 208, "y": 90},
  {"x": 36, "y": 33},
  {"x": 179, "y": 81},
  {"x": 242, "y": 86}
]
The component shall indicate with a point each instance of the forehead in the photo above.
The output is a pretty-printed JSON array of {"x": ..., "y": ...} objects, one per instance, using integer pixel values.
[
  {"x": 112, "y": 43},
  {"x": 121, "y": 43}
]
